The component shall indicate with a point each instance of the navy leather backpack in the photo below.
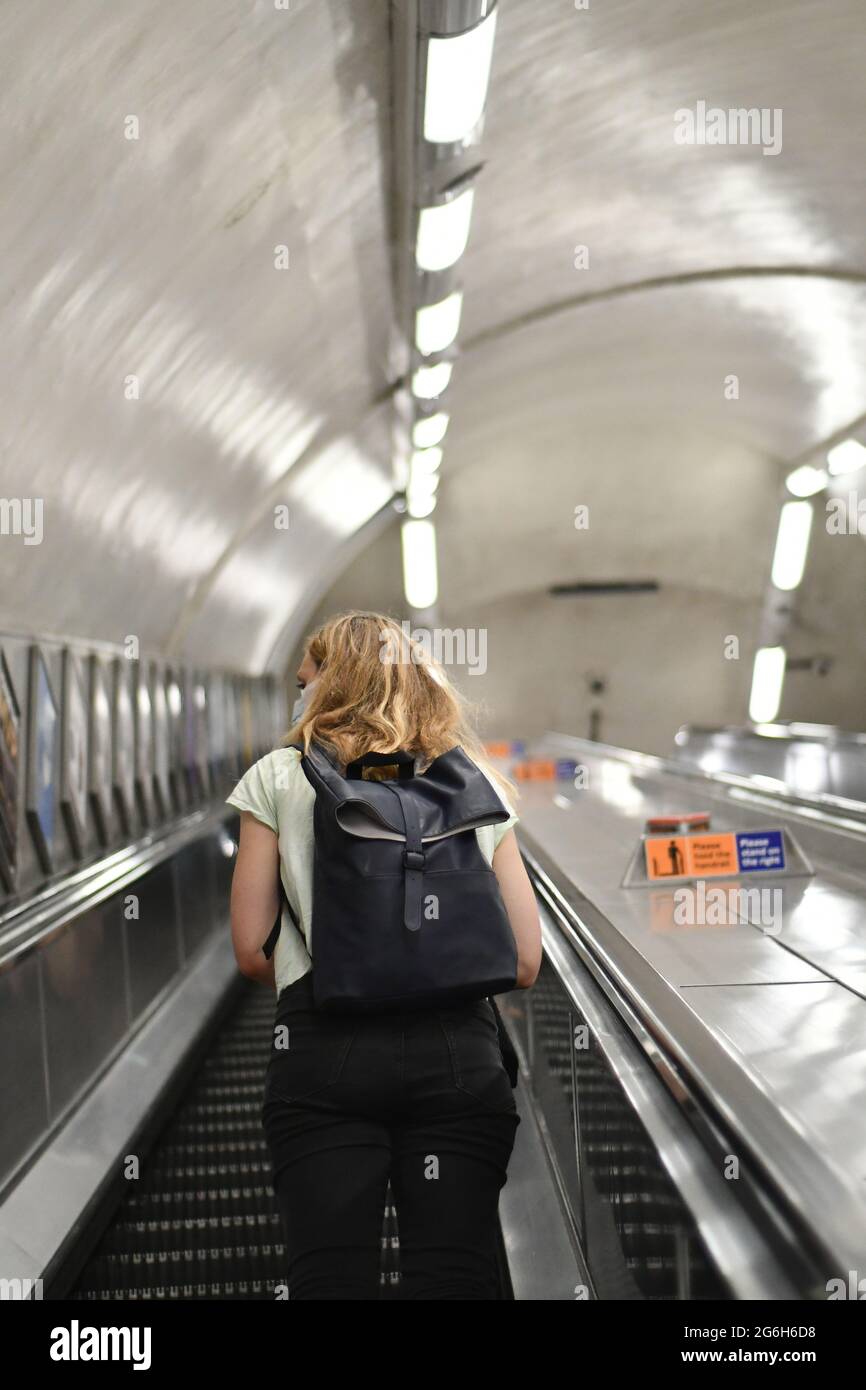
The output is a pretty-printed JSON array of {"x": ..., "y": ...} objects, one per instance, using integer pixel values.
[{"x": 406, "y": 910}]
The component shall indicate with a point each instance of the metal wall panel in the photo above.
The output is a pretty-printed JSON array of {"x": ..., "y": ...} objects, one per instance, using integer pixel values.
[
  {"x": 23, "y": 1095},
  {"x": 195, "y": 875},
  {"x": 85, "y": 1001},
  {"x": 153, "y": 941}
]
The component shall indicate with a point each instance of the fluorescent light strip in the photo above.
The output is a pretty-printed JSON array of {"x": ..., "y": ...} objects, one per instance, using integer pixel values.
[
  {"x": 443, "y": 232},
  {"x": 792, "y": 547},
  {"x": 436, "y": 325},
  {"x": 768, "y": 678},
  {"x": 806, "y": 481},
  {"x": 429, "y": 382},
  {"x": 421, "y": 506},
  {"x": 846, "y": 457},
  {"x": 458, "y": 73},
  {"x": 426, "y": 461},
  {"x": 430, "y": 430},
  {"x": 420, "y": 579},
  {"x": 423, "y": 484}
]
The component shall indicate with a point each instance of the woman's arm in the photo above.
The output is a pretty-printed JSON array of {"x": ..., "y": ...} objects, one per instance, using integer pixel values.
[
  {"x": 255, "y": 898},
  {"x": 521, "y": 907}
]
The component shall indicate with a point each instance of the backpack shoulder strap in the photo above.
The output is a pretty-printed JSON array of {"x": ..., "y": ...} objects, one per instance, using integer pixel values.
[
  {"x": 274, "y": 935},
  {"x": 271, "y": 944}
]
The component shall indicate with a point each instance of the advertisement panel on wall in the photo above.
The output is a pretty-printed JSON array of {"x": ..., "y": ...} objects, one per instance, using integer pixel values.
[
  {"x": 73, "y": 753},
  {"x": 10, "y": 725},
  {"x": 99, "y": 743},
  {"x": 161, "y": 741},
  {"x": 123, "y": 765},
  {"x": 41, "y": 796},
  {"x": 143, "y": 742}
]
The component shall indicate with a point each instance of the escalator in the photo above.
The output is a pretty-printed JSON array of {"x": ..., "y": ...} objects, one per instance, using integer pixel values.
[
  {"x": 626, "y": 1208},
  {"x": 633, "y": 1216},
  {"x": 202, "y": 1221},
  {"x": 631, "y": 1108}
]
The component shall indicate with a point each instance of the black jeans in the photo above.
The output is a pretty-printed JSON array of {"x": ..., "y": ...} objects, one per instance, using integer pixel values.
[{"x": 421, "y": 1098}]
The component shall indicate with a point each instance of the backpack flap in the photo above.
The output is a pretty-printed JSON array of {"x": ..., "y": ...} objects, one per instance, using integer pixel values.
[{"x": 357, "y": 818}]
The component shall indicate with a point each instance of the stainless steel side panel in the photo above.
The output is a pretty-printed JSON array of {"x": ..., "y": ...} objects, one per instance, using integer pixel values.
[
  {"x": 86, "y": 1008},
  {"x": 542, "y": 1260},
  {"x": 807, "y": 1045},
  {"x": 775, "y": 1018},
  {"x": 23, "y": 1077},
  {"x": 42, "y": 1212},
  {"x": 152, "y": 936}
]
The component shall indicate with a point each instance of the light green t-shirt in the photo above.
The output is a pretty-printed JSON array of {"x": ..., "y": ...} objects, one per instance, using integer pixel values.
[{"x": 277, "y": 793}]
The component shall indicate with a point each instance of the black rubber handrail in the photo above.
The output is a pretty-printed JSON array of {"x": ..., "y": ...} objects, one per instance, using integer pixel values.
[{"x": 23, "y": 924}]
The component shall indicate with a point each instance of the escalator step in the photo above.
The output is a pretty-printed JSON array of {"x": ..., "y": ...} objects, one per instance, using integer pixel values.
[{"x": 202, "y": 1221}]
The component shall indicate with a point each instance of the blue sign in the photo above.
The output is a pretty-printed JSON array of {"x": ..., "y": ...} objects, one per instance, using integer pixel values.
[{"x": 760, "y": 851}]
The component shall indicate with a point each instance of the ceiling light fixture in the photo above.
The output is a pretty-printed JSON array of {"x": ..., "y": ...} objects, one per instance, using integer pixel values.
[
  {"x": 420, "y": 579},
  {"x": 792, "y": 547},
  {"x": 429, "y": 430},
  {"x": 806, "y": 481},
  {"x": 423, "y": 484},
  {"x": 443, "y": 232},
  {"x": 436, "y": 325},
  {"x": 846, "y": 457},
  {"x": 458, "y": 73},
  {"x": 768, "y": 678},
  {"x": 420, "y": 506},
  {"x": 426, "y": 461},
  {"x": 430, "y": 382}
]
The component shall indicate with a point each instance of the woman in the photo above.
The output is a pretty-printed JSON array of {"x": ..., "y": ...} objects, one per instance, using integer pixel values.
[{"x": 419, "y": 1097}]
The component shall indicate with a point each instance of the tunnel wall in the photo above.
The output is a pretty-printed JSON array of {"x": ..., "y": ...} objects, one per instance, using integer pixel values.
[
  {"x": 145, "y": 778},
  {"x": 147, "y": 754},
  {"x": 661, "y": 655}
]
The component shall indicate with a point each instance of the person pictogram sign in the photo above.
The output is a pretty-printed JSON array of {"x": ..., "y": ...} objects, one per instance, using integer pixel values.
[{"x": 690, "y": 856}]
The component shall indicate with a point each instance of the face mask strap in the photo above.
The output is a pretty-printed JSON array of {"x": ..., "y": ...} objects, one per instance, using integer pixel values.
[{"x": 302, "y": 701}]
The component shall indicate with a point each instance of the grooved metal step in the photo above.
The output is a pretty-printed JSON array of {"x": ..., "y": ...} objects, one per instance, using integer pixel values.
[{"x": 202, "y": 1222}]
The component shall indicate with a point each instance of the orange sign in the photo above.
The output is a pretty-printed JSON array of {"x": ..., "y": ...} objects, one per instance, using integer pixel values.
[
  {"x": 713, "y": 854},
  {"x": 692, "y": 856},
  {"x": 535, "y": 770},
  {"x": 666, "y": 858},
  {"x": 498, "y": 750}
]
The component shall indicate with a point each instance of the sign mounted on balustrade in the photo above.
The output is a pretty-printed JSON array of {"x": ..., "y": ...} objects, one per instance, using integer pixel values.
[{"x": 684, "y": 853}]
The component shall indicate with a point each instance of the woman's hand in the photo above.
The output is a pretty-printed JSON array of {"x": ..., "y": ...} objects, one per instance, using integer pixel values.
[{"x": 255, "y": 898}]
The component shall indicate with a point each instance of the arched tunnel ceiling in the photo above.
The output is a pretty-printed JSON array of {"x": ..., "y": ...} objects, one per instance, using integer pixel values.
[
  {"x": 580, "y": 148},
  {"x": 605, "y": 385},
  {"x": 260, "y": 387},
  {"x": 155, "y": 258}
]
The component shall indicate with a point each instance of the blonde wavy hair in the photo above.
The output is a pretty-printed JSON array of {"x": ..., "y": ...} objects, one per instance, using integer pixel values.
[{"x": 378, "y": 690}]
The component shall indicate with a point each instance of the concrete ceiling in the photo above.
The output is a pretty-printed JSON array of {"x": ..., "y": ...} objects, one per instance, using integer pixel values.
[{"x": 602, "y": 386}]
